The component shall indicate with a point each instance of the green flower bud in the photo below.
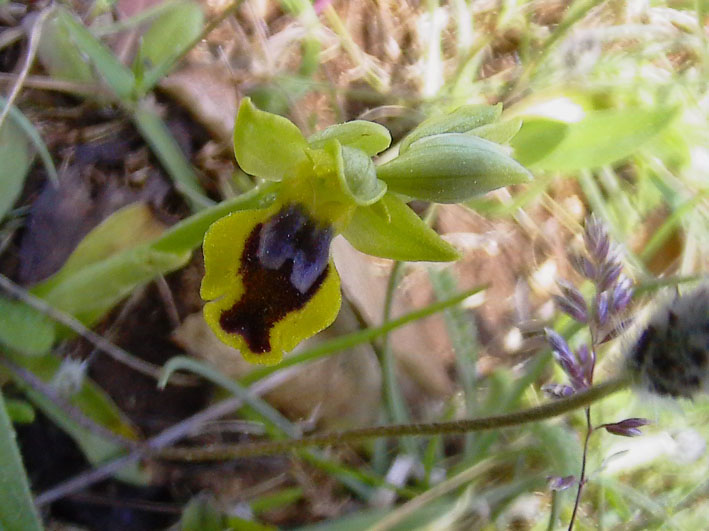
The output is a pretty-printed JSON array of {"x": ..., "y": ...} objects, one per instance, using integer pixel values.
[
  {"x": 450, "y": 168},
  {"x": 369, "y": 137},
  {"x": 498, "y": 132},
  {"x": 460, "y": 120}
]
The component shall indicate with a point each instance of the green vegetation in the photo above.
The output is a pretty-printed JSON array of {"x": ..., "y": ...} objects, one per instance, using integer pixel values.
[{"x": 582, "y": 108}]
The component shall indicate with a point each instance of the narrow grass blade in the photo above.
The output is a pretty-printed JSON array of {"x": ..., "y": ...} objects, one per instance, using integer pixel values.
[
  {"x": 158, "y": 136},
  {"x": 338, "y": 344},
  {"x": 15, "y": 160},
  {"x": 117, "y": 76},
  {"x": 266, "y": 412},
  {"x": 463, "y": 337},
  {"x": 33, "y": 135},
  {"x": 17, "y": 510},
  {"x": 104, "y": 279}
]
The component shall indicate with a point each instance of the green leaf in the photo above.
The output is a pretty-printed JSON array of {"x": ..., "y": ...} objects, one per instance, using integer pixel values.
[
  {"x": 24, "y": 329},
  {"x": 17, "y": 510},
  {"x": 15, "y": 160},
  {"x": 171, "y": 32},
  {"x": 605, "y": 137},
  {"x": 185, "y": 236},
  {"x": 460, "y": 120},
  {"x": 33, "y": 136},
  {"x": 59, "y": 55},
  {"x": 370, "y": 137},
  {"x": 91, "y": 292},
  {"x": 390, "y": 229},
  {"x": 125, "y": 229},
  {"x": 537, "y": 138},
  {"x": 201, "y": 514},
  {"x": 118, "y": 77},
  {"x": 267, "y": 145},
  {"x": 101, "y": 281},
  {"x": 357, "y": 174},
  {"x": 450, "y": 168},
  {"x": 20, "y": 411},
  {"x": 108, "y": 264},
  {"x": 165, "y": 147},
  {"x": 498, "y": 132}
]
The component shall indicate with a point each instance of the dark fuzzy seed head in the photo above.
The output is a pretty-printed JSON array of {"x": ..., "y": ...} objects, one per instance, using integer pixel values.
[{"x": 671, "y": 354}]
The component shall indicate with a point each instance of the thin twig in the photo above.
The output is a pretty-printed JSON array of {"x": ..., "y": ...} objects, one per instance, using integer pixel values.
[
  {"x": 589, "y": 429},
  {"x": 582, "y": 476},
  {"x": 114, "y": 351},
  {"x": 163, "y": 439},
  {"x": 29, "y": 60},
  {"x": 168, "y": 301},
  {"x": 57, "y": 85},
  {"x": 456, "y": 427},
  {"x": 76, "y": 415},
  {"x": 157, "y": 446}
]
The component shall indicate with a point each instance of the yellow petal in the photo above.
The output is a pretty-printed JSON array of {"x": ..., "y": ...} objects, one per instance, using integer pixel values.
[
  {"x": 257, "y": 309},
  {"x": 223, "y": 246}
]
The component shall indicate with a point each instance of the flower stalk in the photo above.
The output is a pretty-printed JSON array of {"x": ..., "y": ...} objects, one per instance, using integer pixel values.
[{"x": 457, "y": 427}]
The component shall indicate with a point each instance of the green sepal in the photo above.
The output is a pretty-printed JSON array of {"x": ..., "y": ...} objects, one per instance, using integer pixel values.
[
  {"x": 390, "y": 229},
  {"x": 498, "y": 132},
  {"x": 460, "y": 120},
  {"x": 356, "y": 173},
  {"x": 450, "y": 168},
  {"x": 267, "y": 145},
  {"x": 370, "y": 137}
]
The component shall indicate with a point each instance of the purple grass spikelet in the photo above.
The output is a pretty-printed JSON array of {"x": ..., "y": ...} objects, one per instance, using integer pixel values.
[
  {"x": 583, "y": 266},
  {"x": 596, "y": 239},
  {"x": 559, "y": 483},
  {"x": 626, "y": 428},
  {"x": 622, "y": 293},
  {"x": 602, "y": 308},
  {"x": 554, "y": 390},
  {"x": 571, "y": 302}
]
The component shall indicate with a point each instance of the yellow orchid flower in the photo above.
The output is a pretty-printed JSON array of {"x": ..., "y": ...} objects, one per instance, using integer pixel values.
[{"x": 269, "y": 280}]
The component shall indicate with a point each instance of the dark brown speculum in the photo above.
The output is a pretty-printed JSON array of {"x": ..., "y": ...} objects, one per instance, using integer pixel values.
[{"x": 284, "y": 262}]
